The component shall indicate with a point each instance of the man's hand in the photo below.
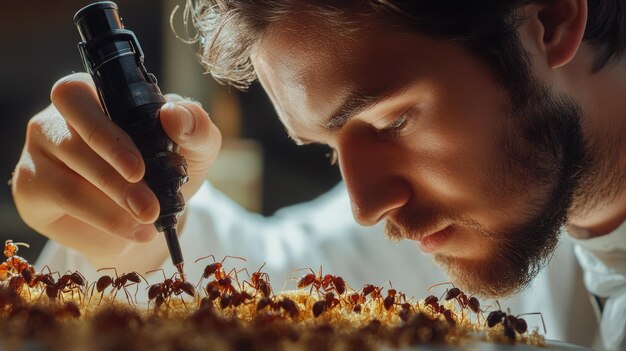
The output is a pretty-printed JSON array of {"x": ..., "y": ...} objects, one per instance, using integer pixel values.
[{"x": 79, "y": 178}]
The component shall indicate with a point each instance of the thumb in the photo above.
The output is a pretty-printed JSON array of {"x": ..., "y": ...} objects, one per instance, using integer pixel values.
[{"x": 189, "y": 126}]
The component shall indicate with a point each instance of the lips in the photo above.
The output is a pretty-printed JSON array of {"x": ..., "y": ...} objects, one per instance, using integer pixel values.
[{"x": 433, "y": 242}]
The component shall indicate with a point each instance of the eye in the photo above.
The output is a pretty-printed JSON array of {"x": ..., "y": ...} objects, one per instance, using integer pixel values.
[
  {"x": 332, "y": 155},
  {"x": 392, "y": 129}
]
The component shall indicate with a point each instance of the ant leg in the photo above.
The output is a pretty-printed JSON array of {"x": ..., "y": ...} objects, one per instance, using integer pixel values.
[
  {"x": 108, "y": 268},
  {"x": 154, "y": 270},
  {"x": 127, "y": 296},
  {"x": 540, "y": 315}
]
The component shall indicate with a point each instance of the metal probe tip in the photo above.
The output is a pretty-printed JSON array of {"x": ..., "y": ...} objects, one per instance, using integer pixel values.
[
  {"x": 179, "y": 267},
  {"x": 171, "y": 237}
]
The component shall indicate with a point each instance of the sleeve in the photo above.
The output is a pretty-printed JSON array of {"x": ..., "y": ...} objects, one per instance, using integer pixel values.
[{"x": 603, "y": 260}]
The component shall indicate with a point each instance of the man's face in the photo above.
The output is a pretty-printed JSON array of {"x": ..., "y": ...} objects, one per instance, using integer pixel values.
[{"x": 427, "y": 140}]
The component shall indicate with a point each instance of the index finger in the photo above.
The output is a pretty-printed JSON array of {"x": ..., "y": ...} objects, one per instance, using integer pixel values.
[{"x": 75, "y": 97}]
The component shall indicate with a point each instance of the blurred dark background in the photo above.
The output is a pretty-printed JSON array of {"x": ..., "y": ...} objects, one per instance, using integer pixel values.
[{"x": 38, "y": 46}]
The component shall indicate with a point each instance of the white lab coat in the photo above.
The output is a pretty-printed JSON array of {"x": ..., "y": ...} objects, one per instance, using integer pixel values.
[{"x": 323, "y": 232}]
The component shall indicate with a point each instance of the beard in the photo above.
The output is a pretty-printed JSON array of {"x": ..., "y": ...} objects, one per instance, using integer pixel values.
[{"x": 543, "y": 160}]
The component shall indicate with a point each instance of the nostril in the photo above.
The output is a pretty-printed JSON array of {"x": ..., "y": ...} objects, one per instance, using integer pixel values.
[{"x": 372, "y": 205}]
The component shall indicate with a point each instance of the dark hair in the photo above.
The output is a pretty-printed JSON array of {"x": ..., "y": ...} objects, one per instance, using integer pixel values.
[{"x": 229, "y": 29}]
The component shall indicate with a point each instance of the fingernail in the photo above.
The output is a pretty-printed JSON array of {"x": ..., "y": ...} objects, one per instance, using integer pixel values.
[
  {"x": 145, "y": 232},
  {"x": 127, "y": 163},
  {"x": 138, "y": 200},
  {"x": 186, "y": 119}
]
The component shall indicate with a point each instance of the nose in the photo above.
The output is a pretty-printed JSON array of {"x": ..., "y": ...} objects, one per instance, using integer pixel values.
[{"x": 374, "y": 178}]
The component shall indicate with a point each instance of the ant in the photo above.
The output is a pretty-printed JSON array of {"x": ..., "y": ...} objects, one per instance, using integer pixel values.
[
  {"x": 390, "y": 300},
  {"x": 326, "y": 282},
  {"x": 11, "y": 248},
  {"x": 161, "y": 292},
  {"x": 118, "y": 283},
  {"x": 406, "y": 311},
  {"x": 511, "y": 323},
  {"x": 311, "y": 279},
  {"x": 462, "y": 299},
  {"x": 356, "y": 300},
  {"x": 432, "y": 301},
  {"x": 372, "y": 290},
  {"x": 67, "y": 283},
  {"x": 260, "y": 282},
  {"x": 235, "y": 299},
  {"x": 216, "y": 268},
  {"x": 329, "y": 301},
  {"x": 285, "y": 304},
  {"x": 14, "y": 263}
]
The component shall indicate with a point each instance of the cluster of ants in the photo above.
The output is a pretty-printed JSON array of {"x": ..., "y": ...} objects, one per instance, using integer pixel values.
[{"x": 225, "y": 290}]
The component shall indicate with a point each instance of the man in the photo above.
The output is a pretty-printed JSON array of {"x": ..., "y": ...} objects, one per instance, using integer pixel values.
[{"x": 478, "y": 129}]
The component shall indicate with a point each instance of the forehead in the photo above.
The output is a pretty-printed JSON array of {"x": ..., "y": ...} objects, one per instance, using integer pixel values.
[{"x": 309, "y": 67}]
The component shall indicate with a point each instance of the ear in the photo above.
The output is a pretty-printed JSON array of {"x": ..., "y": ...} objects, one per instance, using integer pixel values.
[{"x": 563, "y": 23}]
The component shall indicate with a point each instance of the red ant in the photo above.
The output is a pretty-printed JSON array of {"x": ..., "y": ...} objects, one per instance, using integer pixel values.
[
  {"x": 216, "y": 268},
  {"x": 14, "y": 263},
  {"x": 356, "y": 300},
  {"x": 390, "y": 300},
  {"x": 118, "y": 283},
  {"x": 329, "y": 301},
  {"x": 315, "y": 281},
  {"x": 161, "y": 292},
  {"x": 373, "y": 291},
  {"x": 285, "y": 304},
  {"x": 260, "y": 282},
  {"x": 326, "y": 282},
  {"x": 511, "y": 323},
  {"x": 11, "y": 248}
]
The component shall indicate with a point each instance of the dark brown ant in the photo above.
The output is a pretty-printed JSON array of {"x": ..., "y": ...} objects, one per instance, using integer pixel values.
[
  {"x": 329, "y": 302},
  {"x": 40, "y": 278},
  {"x": 462, "y": 299},
  {"x": 511, "y": 323},
  {"x": 260, "y": 282},
  {"x": 235, "y": 299},
  {"x": 120, "y": 282},
  {"x": 432, "y": 301},
  {"x": 285, "y": 304},
  {"x": 68, "y": 282},
  {"x": 161, "y": 292}
]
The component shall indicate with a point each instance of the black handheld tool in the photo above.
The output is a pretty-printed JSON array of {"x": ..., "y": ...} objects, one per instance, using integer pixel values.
[{"x": 132, "y": 99}]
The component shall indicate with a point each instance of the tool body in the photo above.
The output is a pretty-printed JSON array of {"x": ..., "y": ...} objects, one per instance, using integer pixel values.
[{"x": 132, "y": 99}]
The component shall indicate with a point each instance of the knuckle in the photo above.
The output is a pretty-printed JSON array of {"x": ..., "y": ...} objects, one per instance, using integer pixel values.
[
  {"x": 117, "y": 223},
  {"x": 24, "y": 178},
  {"x": 107, "y": 180},
  {"x": 68, "y": 192},
  {"x": 94, "y": 135}
]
